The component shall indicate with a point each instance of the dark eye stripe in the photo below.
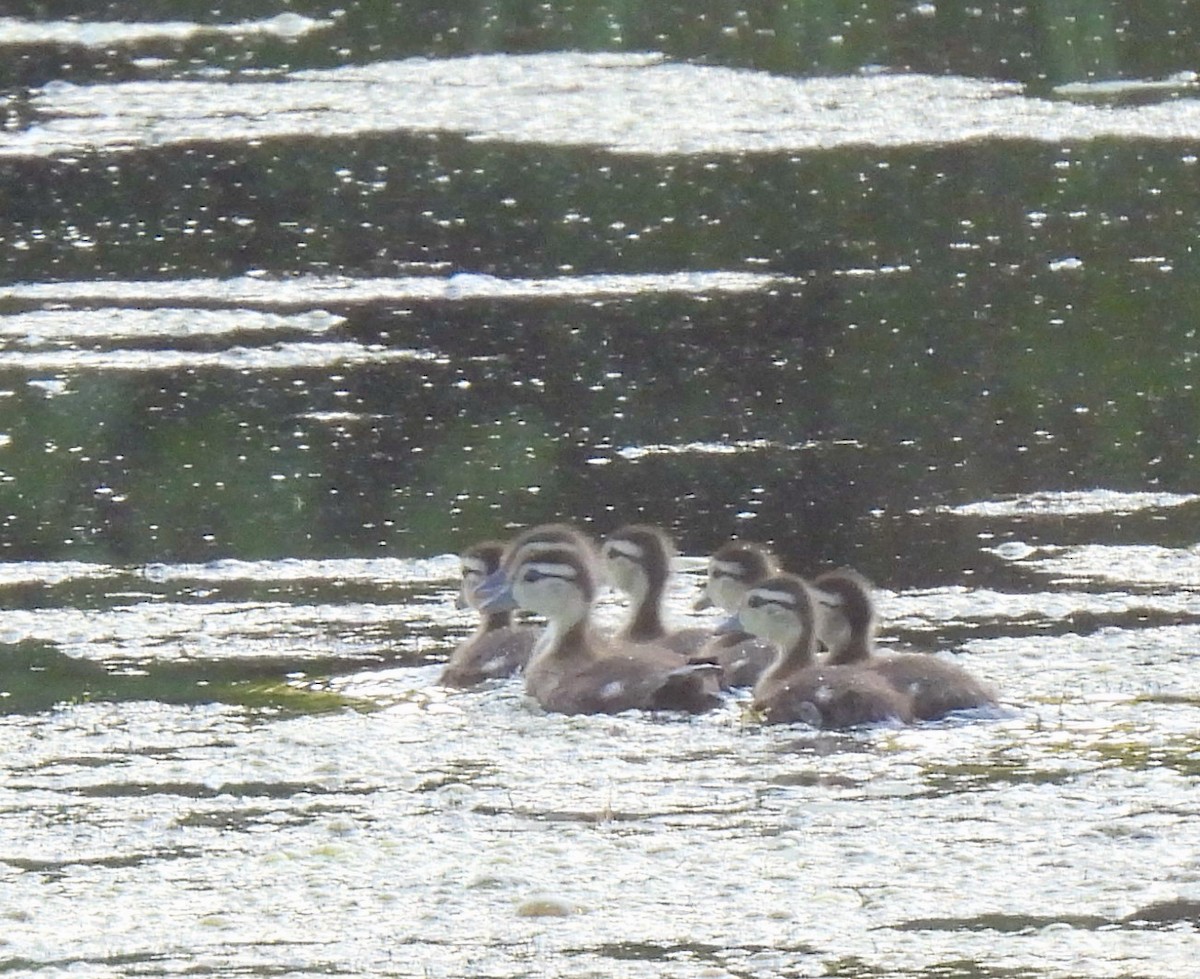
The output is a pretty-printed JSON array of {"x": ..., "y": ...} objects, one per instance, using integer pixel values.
[
  {"x": 757, "y": 600},
  {"x": 538, "y": 572}
]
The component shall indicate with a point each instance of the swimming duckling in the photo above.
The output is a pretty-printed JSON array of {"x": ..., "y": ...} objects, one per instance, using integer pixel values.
[
  {"x": 575, "y": 671},
  {"x": 498, "y": 648},
  {"x": 935, "y": 686},
  {"x": 732, "y": 569},
  {"x": 637, "y": 561},
  {"x": 795, "y": 687}
]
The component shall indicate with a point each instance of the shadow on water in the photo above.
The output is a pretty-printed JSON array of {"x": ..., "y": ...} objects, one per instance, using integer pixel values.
[
  {"x": 865, "y": 402},
  {"x": 856, "y": 968},
  {"x": 725, "y": 956},
  {"x": 1164, "y": 914},
  {"x": 35, "y": 678},
  {"x": 165, "y": 961}
]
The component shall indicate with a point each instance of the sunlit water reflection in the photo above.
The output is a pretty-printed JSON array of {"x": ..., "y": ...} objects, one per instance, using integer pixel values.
[
  {"x": 445, "y": 832},
  {"x": 269, "y": 314},
  {"x": 624, "y": 103}
]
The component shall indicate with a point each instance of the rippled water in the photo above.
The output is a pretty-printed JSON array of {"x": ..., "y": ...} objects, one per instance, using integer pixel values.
[
  {"x": 249, "y": 768},
  {"x": 294, "y": 305}
]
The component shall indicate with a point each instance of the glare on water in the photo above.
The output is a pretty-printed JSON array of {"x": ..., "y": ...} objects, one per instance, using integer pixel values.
[{"x": 294, "y": 307}]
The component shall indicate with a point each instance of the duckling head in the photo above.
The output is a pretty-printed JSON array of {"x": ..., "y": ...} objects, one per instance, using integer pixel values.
[
  {"x": 556, "y": 582},
  {"x": 637, "y": 560},
  {"x": 477, "y": 562},
  {"x": 732, "y": 569},
  {"x": 780, "y": 610},
  {"x": 852, "y": 599}
]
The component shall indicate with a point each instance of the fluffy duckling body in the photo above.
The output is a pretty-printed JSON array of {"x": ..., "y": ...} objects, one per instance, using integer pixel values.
[
  {"x": 795, "y": 687},
  {"x": 637, "y": 561},
  {"x": 936, "y": 687},
  {"x": 732, "y": 570},
  {"x": 498, "y": 648},
  {"x": 575, "y": 671}
]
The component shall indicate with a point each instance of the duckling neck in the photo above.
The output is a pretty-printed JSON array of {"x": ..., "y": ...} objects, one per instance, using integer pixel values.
[
  {"x": 791, "y": 659},
  {"x": 645, "y": 623},
  {"x": 495, "y": 620},
  {"x": 859, "y": 649},
  {"x": 564, "y": 641}
]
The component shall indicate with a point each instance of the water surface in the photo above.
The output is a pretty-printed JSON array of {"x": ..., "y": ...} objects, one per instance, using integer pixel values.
[{"x": 296, "y": 303}]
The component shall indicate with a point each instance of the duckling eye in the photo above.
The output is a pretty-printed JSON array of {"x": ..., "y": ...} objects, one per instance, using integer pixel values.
[{"x": 756, "y": 601}]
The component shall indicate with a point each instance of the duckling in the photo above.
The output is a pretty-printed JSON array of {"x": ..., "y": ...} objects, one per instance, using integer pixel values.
[
  {"x": 575, "y": 671},
  {"x": 935, "y": 686},
  {"x": 498, "y": 648},
  {"x": 637, "y": 561},
  {"x": 732, "y": 569},
  {"x": 795, "y": 687}
]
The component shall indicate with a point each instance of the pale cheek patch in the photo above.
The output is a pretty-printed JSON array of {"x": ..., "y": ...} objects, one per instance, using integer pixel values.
[
  {"x": 623, "y": 573},
  {"x": 472, "y": 566},
  {"x": 726, "y": 592},
  {"x": 757, "y": 623}
]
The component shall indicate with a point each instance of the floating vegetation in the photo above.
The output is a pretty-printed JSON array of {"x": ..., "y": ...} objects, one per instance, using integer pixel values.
[
  {"x": 1182, "y": 756},
  {"x": 973, "y": 777},
  {"x": 288, "y": 697}
]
